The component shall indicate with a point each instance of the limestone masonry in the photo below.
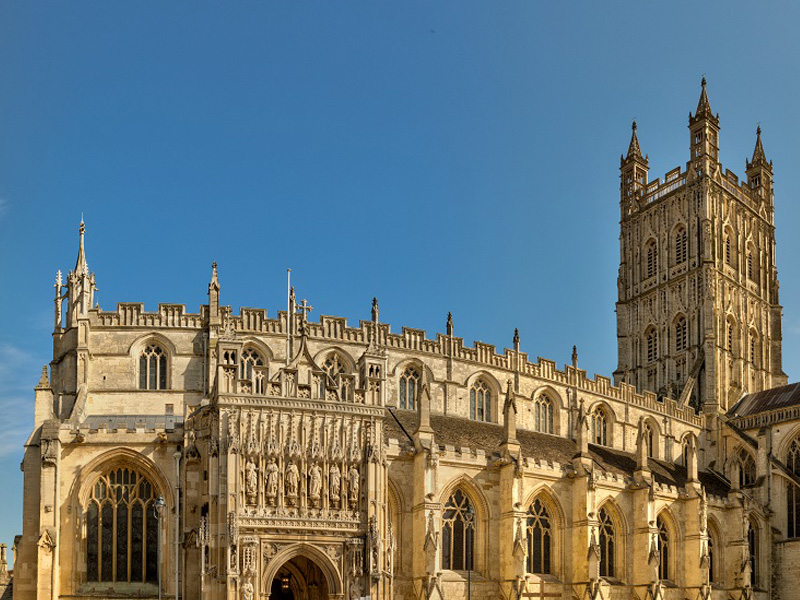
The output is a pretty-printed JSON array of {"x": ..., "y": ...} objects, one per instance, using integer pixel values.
[{"x": 257, "y": 457}]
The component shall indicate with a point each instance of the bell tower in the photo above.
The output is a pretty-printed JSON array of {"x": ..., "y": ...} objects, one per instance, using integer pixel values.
[{"x": 698, "y": 316}]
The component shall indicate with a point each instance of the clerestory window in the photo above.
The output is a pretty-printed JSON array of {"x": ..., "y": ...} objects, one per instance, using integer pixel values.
[
  {"x": 409, "y": 388},
  {"x": 480, "y": 401},
  {"x": 153, "y": 368}
]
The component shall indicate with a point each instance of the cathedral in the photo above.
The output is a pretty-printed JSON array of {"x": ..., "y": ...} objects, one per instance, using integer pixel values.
[{"x": 248, "y": 456}]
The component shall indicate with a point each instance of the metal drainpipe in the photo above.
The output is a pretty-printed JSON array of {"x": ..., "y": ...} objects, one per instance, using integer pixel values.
[{"x": 177, "y": 457}]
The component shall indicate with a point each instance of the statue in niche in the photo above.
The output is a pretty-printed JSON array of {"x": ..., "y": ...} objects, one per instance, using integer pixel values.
[
  {"x": 374, "y": 544},
  {"x": 334, "y": 482},
  {"x": 314, "y": 482},
  {"x": 292, "y": 480},
  {"x": 272, "y": 480},
  {"x": 247, "y": 590},
  {"x": 251, "y": 481},
  {"x": 353, "y": 480}
]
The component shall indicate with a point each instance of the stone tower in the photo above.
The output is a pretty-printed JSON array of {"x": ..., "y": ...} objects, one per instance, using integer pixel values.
[{"x": 698, "y": 316}]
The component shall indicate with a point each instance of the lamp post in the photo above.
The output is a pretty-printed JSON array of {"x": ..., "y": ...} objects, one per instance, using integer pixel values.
[{"x": 158, "y": 512}]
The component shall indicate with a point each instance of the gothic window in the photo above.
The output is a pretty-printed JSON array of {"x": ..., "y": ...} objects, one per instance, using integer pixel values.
[
  {"x": 229, "y": 357},
  {"x": 751, "y": 273},
  {"x": 681, "y": 245},
  {"x": 409, "y": 388},
  {"x": 753, "y": 547},
  {"x": 651, "y": 264},
  {"x": 335, "y": 369},
  {"x": 480, "y": 401},
  {"x": 543, "y": 414},
  {"x": 121, "y": 529},
  {"x": 711, "y": 545},
  {"x": 793, "y": 490},
  {"x": 652, "y": 344},
  {"x": 664, "y": 549},
  {"x": 153, "y": 368},
  {"x": 599, "y": 427},
  {"x": 728, "y": 250},
  {"x": 754, "y": 348},
  {"x": 747, "y": 470},
  {"x": 540, "y": 538},
  {"x": 685, "y": 451},
  {"x": 730, "y": 328},
  {"x": 607, "y": 540},
  {"x": 249, "y": 369},
  {"x": 681, "y": 336},
  {"x": 458, "y": 533}
]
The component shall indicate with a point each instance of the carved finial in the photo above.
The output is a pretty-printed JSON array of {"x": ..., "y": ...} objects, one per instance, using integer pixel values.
[
  {"x": 374, "y": 310},
  {"x": 81, "y": 267},
  {"x": 44, "y": 381},
  {"x": 516, "y": 338},
  {"x": 449, "y": 323},
  {"x": 575, "y": 356}
]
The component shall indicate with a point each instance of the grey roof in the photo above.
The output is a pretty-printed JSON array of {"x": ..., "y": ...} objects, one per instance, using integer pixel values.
[
  {"x": 774, "y": 399},
  {"x": 465, "y": 433}
]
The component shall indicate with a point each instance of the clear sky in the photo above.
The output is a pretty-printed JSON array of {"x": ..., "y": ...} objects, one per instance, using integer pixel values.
[{"x": 442, "y": 156}]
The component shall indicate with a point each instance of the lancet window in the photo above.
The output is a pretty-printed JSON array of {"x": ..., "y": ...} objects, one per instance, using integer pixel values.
[
  {"x": 121, "y": 529},
  {"x": 599, "y": 427},
  {"x": 793, "y": 490},
  {"x": 251, "y": 369},
  {"x": 480, "y": 401},
  {"x": 458, "y": 533},
  {"x": 664, "y": 549},
  {"x": 153, "y": 368},
  {"x": 543, "y": 414},
  {"x": 540, "y": 537},
  {"x": 607, "y": 538},
  {"x": 651, "y": 264},
  {"x": 681, "y": 245},
  {"x": 747, "y": 470},
  {"x": 753, "y": 547},
  {"x": 647, "y": 432},
  {"x": 409, "y": 388},
  {"x": 652, "y": 344},
  {"x": 681, "y": 336}
]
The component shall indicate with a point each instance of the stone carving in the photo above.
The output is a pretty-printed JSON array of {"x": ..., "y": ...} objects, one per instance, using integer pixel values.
[
  {"x": 251, "y": 481},
  {"x": 292, "y": 479},
  {"x": 374, "y": 544},
  {"x": 353, "y": 480},
  {"x": 247, "y": 590},
  {"x": 272, "y": 481},
  {"x": 49, "y": 452},
  {"x": 334, "y": 483},
  {"x": 314, "y": 483}
]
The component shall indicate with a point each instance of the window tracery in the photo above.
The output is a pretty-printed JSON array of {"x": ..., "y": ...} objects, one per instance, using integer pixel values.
[
  {"x": 652, "y": 344},
  {"x": 608, "y": 540},
  {"x": 458, "y": 533},
  {"x": 681, "y": 337},
  {"x": 250, "y": 369},
  {"x": 543, "y": 414},
  {"x": 754, "y": 550},
  {"x": 409, "y": 388},
  {"x": 647, "y": 432},
  {"x": 599, "y": 427},
  {"x": 480, "y": 401},
  {"x": 664, "y": 549},
  {"x": 651, "y": 264},
  {"x": 121, "y": 529},
  {"x": 747, "y": 470},
  {"x": 793, "y": 490},
  {"x": 681, "y": 245},
  {"x": 540, "y": 538},
  {"x": 336, "y": 370},
  {"x": 152, "y": 368}
]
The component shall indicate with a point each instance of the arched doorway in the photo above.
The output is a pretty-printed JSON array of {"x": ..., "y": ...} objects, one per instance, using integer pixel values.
[{"x": 299, "y": 578}]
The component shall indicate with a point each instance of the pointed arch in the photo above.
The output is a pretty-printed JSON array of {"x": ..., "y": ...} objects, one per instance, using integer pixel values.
[
  {"x": 681, "y": 243},
  {"x": 654, "y": 441},
  {"x": 680, "y": 332},
  {"x": 348, "y": 362},
  {"x": 546, "y": 405},
  {"x": 668, "y": 536},
  {"x": 311, "y": 552},
  {"x": 466, "y": 486},
  {"x": 545, "y": 523},
  {"x": 603, "y": 420},
  {"x": 479, "y": 384},
  {"x": 716, "y": 549},
  {"x": 612, "y": 538}
]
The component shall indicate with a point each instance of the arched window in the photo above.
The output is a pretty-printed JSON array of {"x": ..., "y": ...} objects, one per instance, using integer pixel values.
[
  {"x": 652, "y": 344},
  {"x": 543, "y": 414},
  {"x": 250, "y": 369},
  {"x": 730, "y": 331},
  {"x": 540, "y": 538},
  {"x": 712, "y": 544},
  {"x": 647, "y": 432},
  {"x": 747, "y": 470},
  {"x": 651, "y": 258},
  {"x": 480, "y": 401},
  {"x": 458, "y": 533},
  {"x": 793, "y": 490},
  {"x": 728, "y": 248},
  {"x": 681, "y": 245},
  {"x": 409, "y": 386},
  {"x": 608, "y": 544},
  {"x": 751, "y": 267},
  {"x": 335, "y": 369},
  {"x": 121, "y": 529},
  {"x": 599, "y": 427},
  {"x": 754, "y": 550},
  {"x": 685, "y": 451},
  {"x": 153, "y": 368},
  {"x": 755, "y": 355},
  {"x": 681, "y": 337},
  {"x": 664, "y": 549}
]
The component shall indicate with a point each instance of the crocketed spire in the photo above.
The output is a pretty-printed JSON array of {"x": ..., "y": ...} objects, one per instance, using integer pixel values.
[
  {"x": 633, "y": 149},
  {"x": 703, "y": 106},
  {"x": 758, "y": 151}
]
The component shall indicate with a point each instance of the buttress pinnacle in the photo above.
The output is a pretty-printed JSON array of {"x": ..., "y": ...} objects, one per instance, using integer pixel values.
[{"x": 81, "y": 267}]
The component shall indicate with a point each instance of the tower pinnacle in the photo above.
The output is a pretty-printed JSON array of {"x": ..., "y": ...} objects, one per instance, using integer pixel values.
[
  {"x": 81, "y": 267},
  {"x": 758, "y": 151},
  {"x": 634, "y": 151}
]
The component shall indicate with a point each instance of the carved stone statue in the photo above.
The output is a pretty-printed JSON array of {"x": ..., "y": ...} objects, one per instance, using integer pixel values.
[
  {"x": 334, "y": 482},
  {"x": 292, "y": 480},
  {"x": 374, "y": 544},
  {"x": 251, "y": 481},
  {"x": 314, "y": 482},
  {"x": 353, "y": 480},
  {"x": 247, "y": 590},
  {"x": 272, "y": 480}
]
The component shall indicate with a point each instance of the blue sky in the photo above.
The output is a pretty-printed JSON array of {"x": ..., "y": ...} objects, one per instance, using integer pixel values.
[{"x": 442, "y": 156}]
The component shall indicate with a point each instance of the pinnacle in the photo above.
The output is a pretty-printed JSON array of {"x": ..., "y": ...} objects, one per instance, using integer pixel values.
[
  {"x": 80, "y": 265},
  {"x": 703, "y": 105},
  {"x": 634, "y": 151},
  {"x": 758, "y": 151}
]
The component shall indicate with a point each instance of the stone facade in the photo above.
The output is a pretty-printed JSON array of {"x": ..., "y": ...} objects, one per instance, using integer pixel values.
[{"x": 246, "y": 456}]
